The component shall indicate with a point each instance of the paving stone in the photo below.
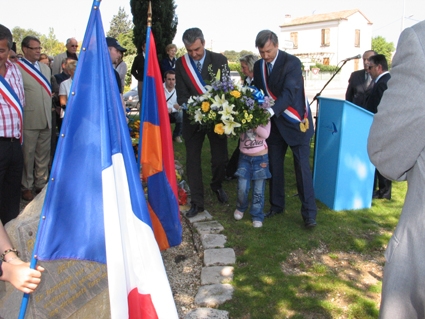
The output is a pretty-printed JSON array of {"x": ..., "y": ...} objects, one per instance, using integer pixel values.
[
  {"x": 219, "y": 257},
  {"x": 213, "y": 240},
  {"x": 209, "y": 227},
  {"x": 213, "y": 295},
  {"x": 207, "y": 313},
  {"x": 216, "y": 275},
  {"x": 205, "y": 215}
]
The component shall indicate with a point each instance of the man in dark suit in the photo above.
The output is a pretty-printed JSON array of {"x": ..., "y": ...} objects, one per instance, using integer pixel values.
[
  {"x": 194, "y": 65},
  {"x": 279, "y": 75},
  {"x": 378, "y": 69},
  {"x": 359, "y": 84}
]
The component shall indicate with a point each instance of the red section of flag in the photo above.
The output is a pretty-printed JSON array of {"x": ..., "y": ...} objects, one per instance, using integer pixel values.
[{"x": 140, "y": 306}]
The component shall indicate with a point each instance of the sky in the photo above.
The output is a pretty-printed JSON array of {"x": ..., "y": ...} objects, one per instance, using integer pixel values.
[{"x": 226, "y": 24}]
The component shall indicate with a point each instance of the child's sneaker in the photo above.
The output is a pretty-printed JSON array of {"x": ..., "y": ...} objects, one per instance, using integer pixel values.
[
  {"x": 238, "y": 215},
  {"x": 257, "y": 224}
]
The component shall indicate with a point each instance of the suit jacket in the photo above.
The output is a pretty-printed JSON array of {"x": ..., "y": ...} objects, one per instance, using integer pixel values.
[
  {"x": 38, "y": 104},
  {"x": 396, "y": 146},
  {"x": 184, "y": 85},
  {"x": 358, "y": 90},
  {"x": 377, "y": 92},
  {"x": 57, "y": 63},
  {"x": 287, "y": 84}
]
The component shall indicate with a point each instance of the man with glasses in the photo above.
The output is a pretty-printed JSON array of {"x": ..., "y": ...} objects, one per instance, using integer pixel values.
[
  {"x": 37, "y": 118},
  {"x": 378, "y": 70},
  {"x": 71, "y": 52},
  {"x": 360, "y": 83}
]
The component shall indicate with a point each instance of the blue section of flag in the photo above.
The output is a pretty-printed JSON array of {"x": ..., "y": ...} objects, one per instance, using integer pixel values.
[{"x": 94, "y": 129}]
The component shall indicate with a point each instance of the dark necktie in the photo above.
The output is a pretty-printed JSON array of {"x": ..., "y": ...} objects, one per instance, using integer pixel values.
[
  {"x": 269, "y": 67},
  {"x": 199, "y": 67}
]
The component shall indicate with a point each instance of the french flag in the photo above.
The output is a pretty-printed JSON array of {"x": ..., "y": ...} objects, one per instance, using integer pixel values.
[
  {"x": 95, "y": 207},
  {"x": 156, "y": 154}
]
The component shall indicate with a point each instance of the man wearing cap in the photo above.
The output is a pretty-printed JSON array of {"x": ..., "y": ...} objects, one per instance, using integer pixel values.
[{"x": 115, "y": 50}]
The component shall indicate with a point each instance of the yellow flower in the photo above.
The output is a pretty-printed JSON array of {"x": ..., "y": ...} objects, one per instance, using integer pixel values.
[
  {"x": 236, "y": 94},
  {"x": 243, "y": 121},
  {"x": 219, "y": 128},
  {"x": 205, "y": 106}
]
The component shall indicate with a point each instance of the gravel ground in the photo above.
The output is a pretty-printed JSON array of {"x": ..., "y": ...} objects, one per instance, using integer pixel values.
[{"x": 183, "y": 265}]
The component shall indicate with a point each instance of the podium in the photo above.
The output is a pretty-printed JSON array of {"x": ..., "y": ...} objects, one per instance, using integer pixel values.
[{"x": 343, "y": 174}]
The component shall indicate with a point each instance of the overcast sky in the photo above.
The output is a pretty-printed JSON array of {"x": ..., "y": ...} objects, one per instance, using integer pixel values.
[{"x": 227, "y": 24}]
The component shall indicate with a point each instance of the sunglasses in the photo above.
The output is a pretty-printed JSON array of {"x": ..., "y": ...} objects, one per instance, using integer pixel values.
[
  {"x": 370, "y": 67},
  {"x": 74, "y": 45},
  {"x": 37, "y": 48},
  {"x": 13, "y": 57}
]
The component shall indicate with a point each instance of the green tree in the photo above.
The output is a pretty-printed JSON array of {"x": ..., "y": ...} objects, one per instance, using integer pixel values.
[
  {"x": 381, "y": 46},
  {"x": 120, "y": 24},
  {"x": 51, "y": 45},
  {"x": 19, "y": 34},
  {"x": 164, "y": 22}
]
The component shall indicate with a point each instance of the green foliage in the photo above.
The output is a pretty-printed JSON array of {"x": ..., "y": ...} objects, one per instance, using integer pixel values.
[
  {"x": 51, "y": 45},
  {"x": 324, "y": 68},
  {"x": 120, "y": 24},
  {"x": 126, "y": 40},
  {"x": 233, "y": 56},
  {"x": 180, "y": 52},
  {"x": 164, "y": 23},
  {"x": 381, "y": 46}
]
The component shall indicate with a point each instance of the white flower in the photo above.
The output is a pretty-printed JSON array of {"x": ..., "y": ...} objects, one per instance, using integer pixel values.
[
  {"x": 229, "y": 126},
  {"x": 198, "y": 116},
  {"x": 227, "y": 111},
  {"x": 218, "y": 101}
]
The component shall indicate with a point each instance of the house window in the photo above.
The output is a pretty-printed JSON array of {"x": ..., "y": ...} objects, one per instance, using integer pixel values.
[
  {"x": 357, "y": 38},
  {"x": 326, "y": 39},
  {"x": 294, "y": 39}
]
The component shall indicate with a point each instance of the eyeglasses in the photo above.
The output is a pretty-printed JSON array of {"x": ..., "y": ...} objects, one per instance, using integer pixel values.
[
  {"x": 13, "y": 57},
  {"x": 370, "y": 67},
  {"x": 36, "y": 49},
  {"x": 74, "y": 45}
]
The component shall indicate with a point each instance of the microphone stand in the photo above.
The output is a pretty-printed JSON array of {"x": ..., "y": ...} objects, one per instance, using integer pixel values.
[{"x": 317, "y": 107}]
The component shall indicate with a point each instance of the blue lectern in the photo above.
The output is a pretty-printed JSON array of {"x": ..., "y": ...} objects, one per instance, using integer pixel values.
[{"x": 343, "y": 174}]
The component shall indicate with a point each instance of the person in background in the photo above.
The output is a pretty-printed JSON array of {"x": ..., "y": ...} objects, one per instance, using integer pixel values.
[
  {"x": 65, "y": 86},
  {"x": 169, "y": 62},
  {"x": 193, "y": 134},
  {"x": 396, "y": 146},
  {"x": 11, "y": 130},
  {"x": 247, "y": 67},
  {"x": 137, "y": 69},
  {"x": 378, "y": 69},
  {"x": 37, "y": 118},
  {"x": 71, "y": 52},
  {"x": 280, "y": 77},
  {"x": 44, "y": 59},
  {"x": 121, "y": 67},
  {"x": 13, "y": 57},
  {"x": 360, "y": 83},
  {"x": 174, "y": 109},
  {"x": 14, "y": 270}
]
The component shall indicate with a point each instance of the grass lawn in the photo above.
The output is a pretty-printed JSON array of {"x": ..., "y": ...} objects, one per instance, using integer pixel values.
[{"x": 286, "y": 271}]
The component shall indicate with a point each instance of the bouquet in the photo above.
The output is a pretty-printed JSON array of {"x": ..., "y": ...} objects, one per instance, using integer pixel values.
[{"x": 228, "y": 108}]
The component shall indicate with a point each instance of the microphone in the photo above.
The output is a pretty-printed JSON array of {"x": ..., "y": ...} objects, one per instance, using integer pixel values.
[{"x": 358, "y": 56}]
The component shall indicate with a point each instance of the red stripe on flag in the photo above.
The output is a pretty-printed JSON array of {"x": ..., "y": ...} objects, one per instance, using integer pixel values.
[{"x": 140, "y": 306}]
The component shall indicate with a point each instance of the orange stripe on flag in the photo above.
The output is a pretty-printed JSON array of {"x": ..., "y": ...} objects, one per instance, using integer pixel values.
[
  {"x": 158, "y": 230},
  {"x": 152, "y": 150}
]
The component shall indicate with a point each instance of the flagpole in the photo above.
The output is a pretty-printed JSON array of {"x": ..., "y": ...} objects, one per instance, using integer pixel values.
[
  {"x": 143, "y": 102},
  {"x": 33, "y": 262}
]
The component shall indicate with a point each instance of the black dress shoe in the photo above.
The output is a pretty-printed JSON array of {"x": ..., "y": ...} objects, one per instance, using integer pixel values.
[
  {"x": 221, "y": 196},
  {"x": 310, "y": 223},
  {"x": 271, "y": 213},
  {"x": 386, "y": 194},
  {"x": 194, "y": 210},
  {"x": 377, "y": 194}
]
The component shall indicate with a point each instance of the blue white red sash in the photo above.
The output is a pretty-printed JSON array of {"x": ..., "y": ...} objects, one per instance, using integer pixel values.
[
  {"x": 12, "y": 99},
  {"x": 35, "y": 74},
  {"x": 193, "y": 73},
  {"x": 290, "y": 113}
]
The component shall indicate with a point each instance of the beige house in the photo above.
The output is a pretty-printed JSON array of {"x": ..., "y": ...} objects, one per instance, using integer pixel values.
[{"x": 328, "y": 38}]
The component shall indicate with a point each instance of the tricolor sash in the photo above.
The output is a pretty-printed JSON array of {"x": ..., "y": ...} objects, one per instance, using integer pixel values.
[
  {"x": 193, "y": 73},
  {"x": 290, "y": 113},
  {"x": 35, "y": 74},
  {"x": 12, "y": 99}
]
